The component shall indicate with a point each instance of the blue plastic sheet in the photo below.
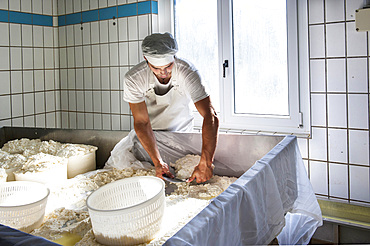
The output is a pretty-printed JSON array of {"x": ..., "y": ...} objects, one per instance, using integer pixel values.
[{"x": 13, "y": 237}]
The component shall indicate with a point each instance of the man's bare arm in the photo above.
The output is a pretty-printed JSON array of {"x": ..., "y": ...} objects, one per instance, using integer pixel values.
[
  {"x": 146, "y": 136},
  {"x": 204, "y": 170}
]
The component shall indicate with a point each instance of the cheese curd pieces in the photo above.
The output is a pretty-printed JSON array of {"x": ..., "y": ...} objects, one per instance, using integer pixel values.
[
  {"x": 184, "y": 166},
  {"x": 11, "y": 163},
  {"x": 43, "y": 168},
  {"x": 80, "y": 157}
]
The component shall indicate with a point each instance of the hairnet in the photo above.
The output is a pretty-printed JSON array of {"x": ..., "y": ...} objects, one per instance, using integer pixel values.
[{"x": 159, "y": 45}]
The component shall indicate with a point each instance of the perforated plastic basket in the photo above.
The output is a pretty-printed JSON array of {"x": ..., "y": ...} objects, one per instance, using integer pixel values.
[
  {"x": 22, "y": 204},
  {"x": 128, "y": 211}
]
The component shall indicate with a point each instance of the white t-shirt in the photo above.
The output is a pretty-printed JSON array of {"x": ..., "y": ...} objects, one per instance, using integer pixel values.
[{"x": 140, "y": 79}]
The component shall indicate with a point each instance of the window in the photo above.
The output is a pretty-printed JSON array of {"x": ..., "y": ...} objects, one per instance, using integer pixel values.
[{"x": 253, "y": 57}]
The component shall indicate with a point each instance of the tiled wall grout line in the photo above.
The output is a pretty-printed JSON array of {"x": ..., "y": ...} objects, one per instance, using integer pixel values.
[
  {"x": 326, "y": 102},
  {"x": 347, "y": 111},
  {"x": 83, "y": 75},
  {"x": 119, "y": 76},
  {"x": 92, "y": 75}
]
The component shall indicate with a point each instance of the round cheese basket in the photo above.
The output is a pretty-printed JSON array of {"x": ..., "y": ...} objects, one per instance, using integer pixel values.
[
  {"x": 3, "y": 175},
  {"x": 127, "y": 211},
  {"x": 22, "y": 204}
]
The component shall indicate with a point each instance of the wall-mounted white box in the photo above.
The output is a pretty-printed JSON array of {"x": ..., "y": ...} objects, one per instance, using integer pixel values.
[{"x": 362, "y": 19}]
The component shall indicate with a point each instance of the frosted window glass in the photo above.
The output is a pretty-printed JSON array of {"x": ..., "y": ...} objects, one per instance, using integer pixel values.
[
  {"x": 197, "y": 38},
  {"x": 260, "y": 57}
]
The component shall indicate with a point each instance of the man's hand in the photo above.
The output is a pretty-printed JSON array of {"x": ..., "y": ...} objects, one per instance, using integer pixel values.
[
  {"x": 162, "y": 168},
  {"x": 201, "y": 173}
]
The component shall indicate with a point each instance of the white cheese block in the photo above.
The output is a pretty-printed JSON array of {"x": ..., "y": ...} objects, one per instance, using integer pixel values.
[
  {"x": 43, "y": 168},
  {"x": 81, "y": 164}
]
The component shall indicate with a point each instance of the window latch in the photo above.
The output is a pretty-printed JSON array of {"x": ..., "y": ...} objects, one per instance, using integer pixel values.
[{"x": 225, "y": 65}]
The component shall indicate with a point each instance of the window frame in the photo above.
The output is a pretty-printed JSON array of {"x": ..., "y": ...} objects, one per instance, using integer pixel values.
[{"x": 298, "y": 122}]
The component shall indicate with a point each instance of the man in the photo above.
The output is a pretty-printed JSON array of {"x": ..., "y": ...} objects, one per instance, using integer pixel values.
[{"x": 159, "y": 91}]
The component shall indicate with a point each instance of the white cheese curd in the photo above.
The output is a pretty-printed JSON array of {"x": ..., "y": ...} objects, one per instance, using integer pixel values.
[
  {"x": 43, "y": 168},
  {"x": 50, "y": 147},
  {"x": 181, "y": 206},
  {"x": 12, "y": 161},
  {"x": 69, "y": 150},
  {"x": 18, "y": 146},
  {"x": 62, "y": 221},
  {"x": 40, "y": 162},
  {"x": 184, "y": 167},
  {"x": 3, "y": 154},
  {"x": 81, "y": 158}
]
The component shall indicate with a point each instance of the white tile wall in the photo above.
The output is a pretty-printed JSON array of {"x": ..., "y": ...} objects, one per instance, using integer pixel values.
[
  {"x": 38, "y": 40},
  {"x": 358, "y": 111},
  {"x": 338, "y": 180},
  {"x": 335, "y": 40},
  {"x": 16, "y": 59},
  {"x": 319, "y": 177},
  {"x": 77, "y": 5},
  {"x": 94, "y": 4},
  {"x": 16, "y": 81},
  {"x": 113, "y": 31},
  {"x": 357, "y": 75},
  {"x": 36, "y": 6},
  {"x": 337, "y": 113},
  {"x": 114, "y": 78},
  {"x": 359, "y": 147},
  {"x": 318, "y": 144},
  {"x": 134, "y": 52},
  {"x": 4, "y": 38},
  {"x": 3, "y": 4},
  {"x": 28, "y": 85},
  {"x": 15, "y": 34},
  {"x": 351, "y": 6},
  {"x": 27, "y": 34},
  {"x": 143, "y": 23},
  {"x": 334, "y": 10},
  {"x": 79, "y": 79},
  {"x": 39, "y": 80},
  {"x": 105, "y": 80},
  {"x": 38, "y": 61},
  {"x": 103, "y": 31},
  {"x": 15, "y": 5},
  {"x": 27, "y": 58},
  {"x": 317, "y": 75},
  {"x": 5, "y": 111},
  {"x": 359, "y": 180},
  {"x": 4, "y": 82},
  {"x": 77, "y": 32},
  {"x": 48, "y": 37},
  {"x": 4, "y": 61},
  {"x": 336, "y": 75},
  {"x": 17, "y": 122},
  {"x": 337, "y": 139},
  {"x": 86, "y": 34},
  {"x": 356, "y": 41},
  {"x": 47, "y": 7},
  {"x": 17, "y": 105},
  {"x": 70, "y": 35},
  {"x": 113, "y": 54},
  {"x": 104, "y": 50},
  {"x": 122, "y": 29},
  {"x": 29, "y": 99},
  {"x": 318, "y": 107}
]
